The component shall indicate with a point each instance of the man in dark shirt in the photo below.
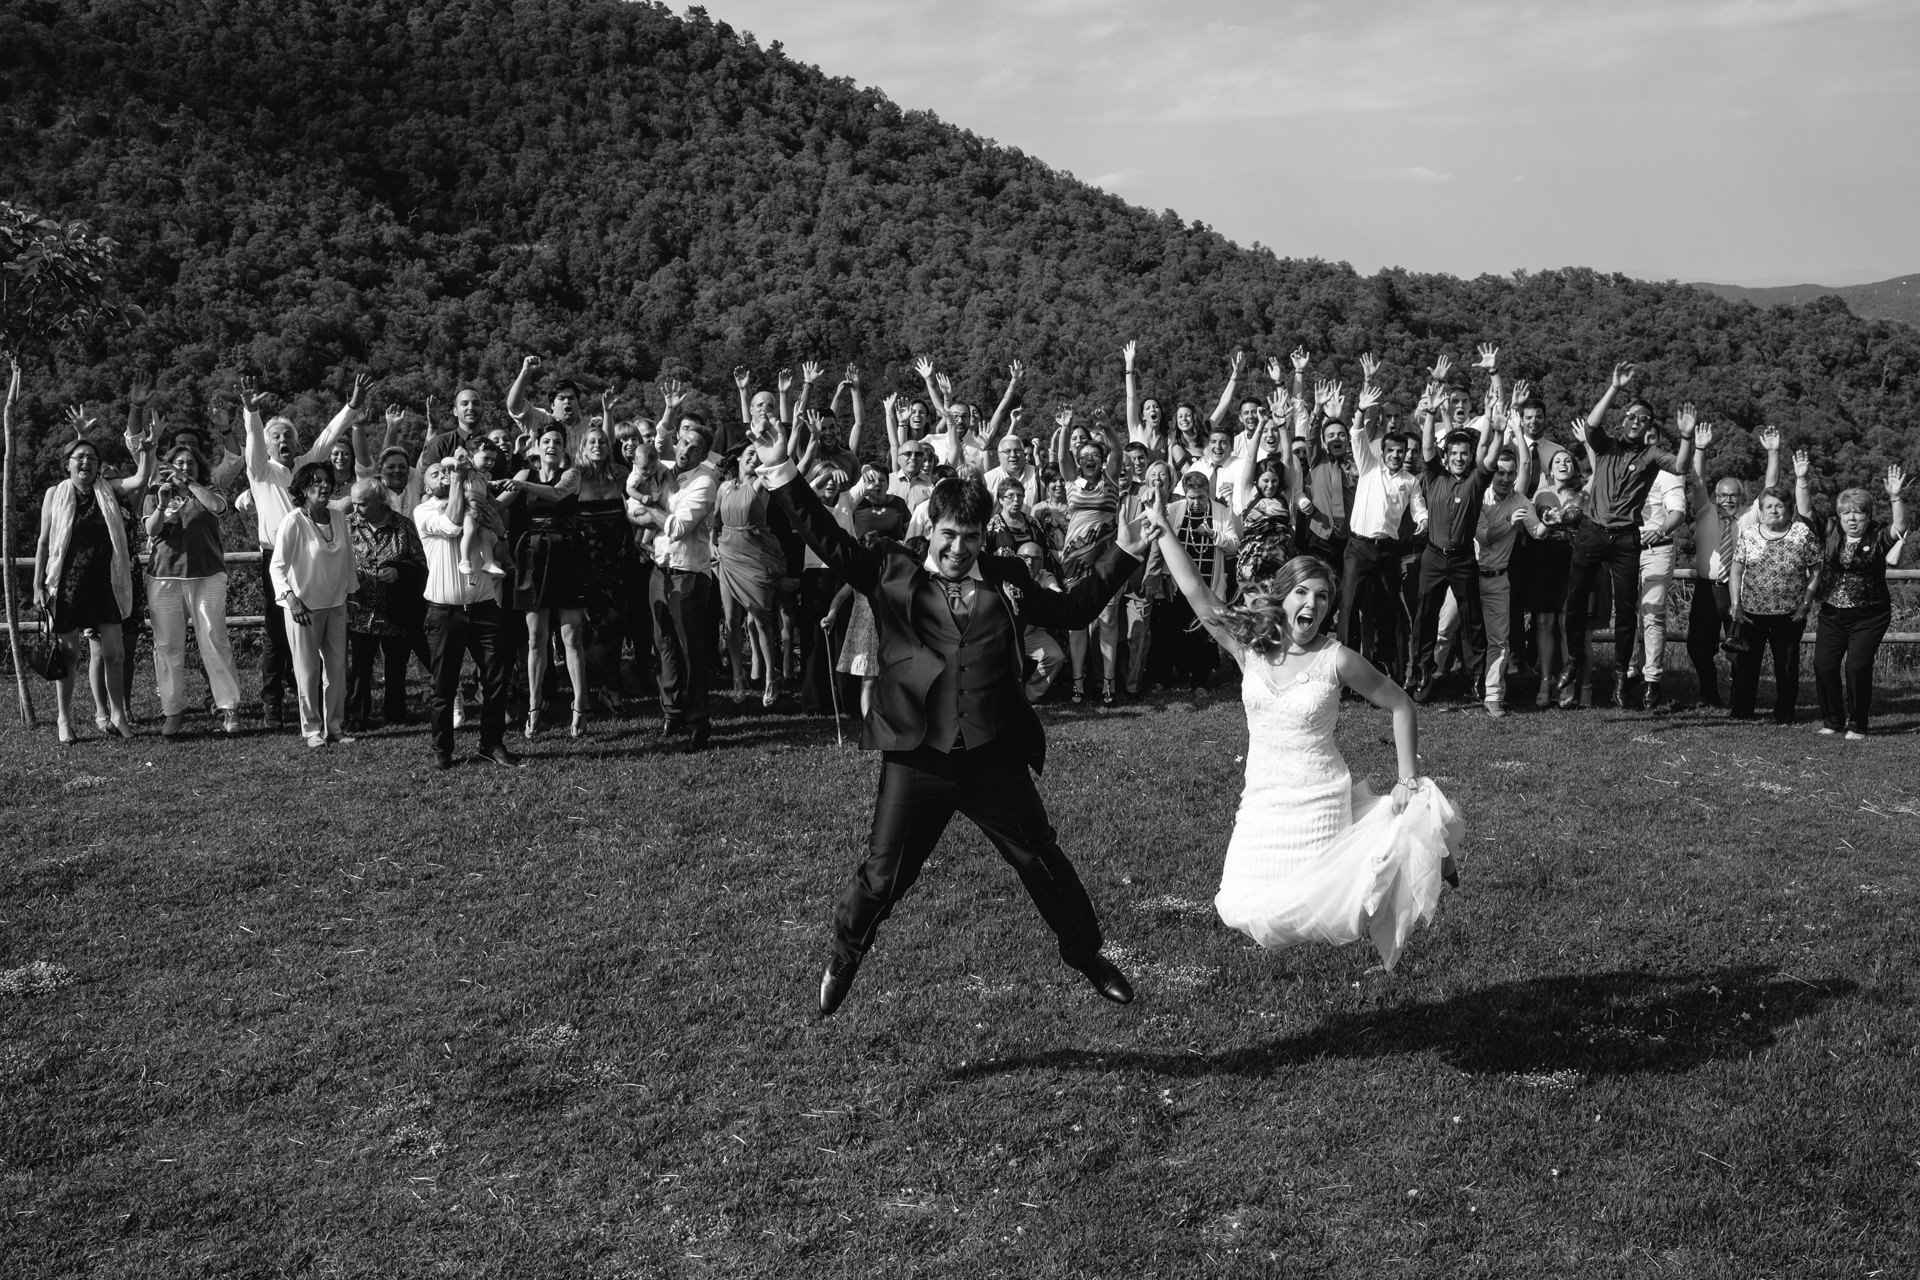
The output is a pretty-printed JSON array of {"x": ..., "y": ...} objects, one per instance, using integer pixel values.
[
  {"x": 1454, "y": 490},
  {"x": 1608, "y": 541}
]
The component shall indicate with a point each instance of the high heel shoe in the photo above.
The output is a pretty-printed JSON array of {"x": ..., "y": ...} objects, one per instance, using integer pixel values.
[
  {"x": 771, "y": 696},
  {"x": 1079, "y": 690},
  {"x": 65, "y": 729},
  {"x": 101, "y": 722},
  {"x": 533, "y": 724},
  {"x": 578, "y": 729},
  {"x": 1106, "y": 693},
  {"x": 122, "y": 728}
]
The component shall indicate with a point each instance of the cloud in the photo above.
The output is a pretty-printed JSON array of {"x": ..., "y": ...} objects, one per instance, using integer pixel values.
[{"x": 1120, "y": 180}]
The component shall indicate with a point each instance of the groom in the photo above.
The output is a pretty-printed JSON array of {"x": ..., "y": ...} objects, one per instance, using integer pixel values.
[{"x": 949, "y": 713}]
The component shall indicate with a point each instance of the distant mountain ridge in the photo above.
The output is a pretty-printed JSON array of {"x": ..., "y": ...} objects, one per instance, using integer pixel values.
[{"x": 1895, "y": 299}]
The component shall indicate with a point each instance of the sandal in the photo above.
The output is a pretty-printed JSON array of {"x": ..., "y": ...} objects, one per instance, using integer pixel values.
[
  {"x": 1079, "y": 690},
  {"x": 1106, "y": 693}
]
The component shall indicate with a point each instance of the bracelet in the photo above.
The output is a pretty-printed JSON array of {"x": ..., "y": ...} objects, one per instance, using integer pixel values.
[{"x": 1409, "y": 783}]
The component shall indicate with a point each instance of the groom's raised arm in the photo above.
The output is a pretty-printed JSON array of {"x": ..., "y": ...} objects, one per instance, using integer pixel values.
[{"x": 839, "y": 550}]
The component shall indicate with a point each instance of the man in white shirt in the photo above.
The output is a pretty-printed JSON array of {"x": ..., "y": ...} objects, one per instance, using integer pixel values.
[
  {"x": 1015, "y": 466},
  {"x": 911, "y": 483},
  {"x": 464, "y": 616},
  {"x": 682, "y": 586},
  {"x": 1383, "y": 491},
  {"x": 1661, "y": 516},
  {"x": 270, "y": 464}
]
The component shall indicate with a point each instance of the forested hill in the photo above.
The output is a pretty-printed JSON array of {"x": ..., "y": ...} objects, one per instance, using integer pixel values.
[
  {"x": 429, "y": 189},
  {"x": 1895, "y": 299}
]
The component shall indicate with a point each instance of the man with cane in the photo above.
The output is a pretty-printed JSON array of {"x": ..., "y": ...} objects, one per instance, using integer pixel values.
[{"x": 948, "y": 711}]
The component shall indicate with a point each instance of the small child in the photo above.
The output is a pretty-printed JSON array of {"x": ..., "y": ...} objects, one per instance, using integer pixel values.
[
  {"x": 643, "y": 481},
  {"x": 483, "y": 529}
]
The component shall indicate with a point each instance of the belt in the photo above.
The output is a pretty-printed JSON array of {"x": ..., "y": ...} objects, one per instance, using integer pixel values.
[
  {"x": 1657, "y": 543},
  {"x": 1450, "y": 553},
  {"x": 1493, "y": 573},
  {"x": 1378, "y": 540},
  {"x": 690, "y": 573}
]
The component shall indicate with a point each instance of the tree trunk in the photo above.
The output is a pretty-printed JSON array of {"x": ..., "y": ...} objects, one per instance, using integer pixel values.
[{"x": 6, "y": 545}]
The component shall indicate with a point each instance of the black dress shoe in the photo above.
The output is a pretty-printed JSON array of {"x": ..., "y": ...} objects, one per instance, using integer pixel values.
[
  {"x": 501, "y": 756},
  {"x": 443, "y": 760},
  {"x": 835, "y": 983},
  {"x": 701, "y": 732},
  {"x": 1651, "y": 698},
  {"x": 1450, "y": 871},
  {"x": 1107, "y": 980},
  {"x": 1422, "y": 690}
]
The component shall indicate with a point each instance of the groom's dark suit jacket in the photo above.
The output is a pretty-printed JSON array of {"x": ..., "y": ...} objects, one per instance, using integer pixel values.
[{"x": 940, "y": 686}]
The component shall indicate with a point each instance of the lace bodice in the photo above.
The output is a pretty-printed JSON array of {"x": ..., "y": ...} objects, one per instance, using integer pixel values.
[{"x": 1291, "y": 712}]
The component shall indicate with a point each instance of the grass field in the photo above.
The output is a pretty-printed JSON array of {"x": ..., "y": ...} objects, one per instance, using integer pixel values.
[{"x": 266, "y": 1011}]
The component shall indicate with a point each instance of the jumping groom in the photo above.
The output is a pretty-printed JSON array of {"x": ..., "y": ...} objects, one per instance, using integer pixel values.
[{"x": 949, "y": 713}]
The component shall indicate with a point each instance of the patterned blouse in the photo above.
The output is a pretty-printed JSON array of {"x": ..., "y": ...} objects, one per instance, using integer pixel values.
[
  {"x": 395, "y": 544},
  {"x": 1777, "y": 568}
]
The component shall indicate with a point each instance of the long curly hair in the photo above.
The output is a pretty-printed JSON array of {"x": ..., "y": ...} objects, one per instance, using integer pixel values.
[{"x": 1258, "y": 619}]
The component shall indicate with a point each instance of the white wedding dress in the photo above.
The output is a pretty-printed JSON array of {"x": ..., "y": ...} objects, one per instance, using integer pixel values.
[{"x": 1314, "y": 858}]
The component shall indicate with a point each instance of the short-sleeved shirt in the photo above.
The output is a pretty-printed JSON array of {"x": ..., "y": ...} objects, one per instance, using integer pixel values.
[
  {"x": 1777, "y": 569},
  {"x": 1622, "y": 478}
]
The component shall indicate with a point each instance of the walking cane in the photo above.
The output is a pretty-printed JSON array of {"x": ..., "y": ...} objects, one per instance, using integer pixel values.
[{"x": 833, "y": 678}]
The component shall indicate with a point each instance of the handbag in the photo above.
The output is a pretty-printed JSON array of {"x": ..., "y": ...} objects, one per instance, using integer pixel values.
[{"x": 46, "y": 655}]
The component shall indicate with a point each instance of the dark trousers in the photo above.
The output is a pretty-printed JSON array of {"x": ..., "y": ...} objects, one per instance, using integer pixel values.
[
  {"x": 637, "y": 620},
  {"x": 1844, "y": 643},
  {"x": 362, "y": 649},
  {"x": 1615, "y": 553},
  {"x": 484, "y": 630},
  {"x": 1779, "y": 632},
  {"x": 1180, "y": 649},
  {"x": 920, "y": 791},
  {"x": 680, "y": 606},
  {"x": 1706, "y": 628},
  {"x": 1410, "y": 611},
  {"x": 1440, "y": 570},
  {"x": 817, "y": 589},
  {"x": 1370, "y": 595},
  {"x": 276, "y": 657}
]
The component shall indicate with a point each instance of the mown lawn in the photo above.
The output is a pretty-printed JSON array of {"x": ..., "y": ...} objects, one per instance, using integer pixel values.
[{"x": 266, "y": 1011}]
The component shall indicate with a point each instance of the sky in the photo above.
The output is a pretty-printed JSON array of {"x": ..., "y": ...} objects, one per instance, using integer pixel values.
[{"x": 1738, "y": 141}]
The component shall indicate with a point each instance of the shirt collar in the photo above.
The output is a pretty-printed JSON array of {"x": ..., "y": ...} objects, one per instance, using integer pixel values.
[{"x": 933, "y": 570}]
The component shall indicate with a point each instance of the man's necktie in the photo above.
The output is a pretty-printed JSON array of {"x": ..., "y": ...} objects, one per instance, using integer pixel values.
[
  {"x": 956, "y": 599},
  {"x": 1729, "y": 535}
]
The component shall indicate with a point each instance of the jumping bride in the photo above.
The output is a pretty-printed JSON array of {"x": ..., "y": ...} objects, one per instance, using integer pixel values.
[{"x": 1314, "y": 858}]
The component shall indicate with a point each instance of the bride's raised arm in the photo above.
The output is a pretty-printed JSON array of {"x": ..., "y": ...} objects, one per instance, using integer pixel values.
[{"x": 1206, "y": 605}]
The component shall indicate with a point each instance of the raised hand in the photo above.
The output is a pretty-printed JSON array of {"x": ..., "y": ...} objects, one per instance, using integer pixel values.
[
  {"x": 1425, "y": 404},
  {"x": 1439, "y": 371},
  {"x": 742, "y": 376},
  {"x": 1299, "y": 357},
  {"x": 769, "y": 440},
  {"x": 1802, "y": 464},
  {"x": 1063, "y": 419},
  {"x": 395, "y": 415},
  {"x": 429, "y": 423},
  {"x": 1014, "y": 371},
  {"x": 945, "y": 384},
  {"x": 1769, "y": 438},
  {"x": 1896, "y": 480},
  {"x": 1579, "y": 429},
  {"x": 1522, "y": 389},
  {"x": 784, "y": 381},
  {"x": 923, "y": 365},
  {"x": 673, "y": 393},
  {"x": 1686, "y": 422},
  {"x": 607, "y": 400},
  {"x": 1489, "y": 354},
  {"x": 810, "y": 371},
  {"x": 1234, "y": 362},
  {"x": 1127, "y": 352},
  {"x": 80, "y": 420},
  {"x": 356, "y": 397},
  {"x": 1322, "y": 390},
  {"x": 1622, "y": 375},
  {"x": 251, "y": 396},
  {"x": 1370, "y": 366},
  {"x": 1703, "y": 435},
  {"x": 1337, "y": 401},
  {"x": 141, "y": 391},
  {"x": 1276, "y": 371},
  {"x": 853, "y": 375},
  {"x": 1278, "y": 404},
  {"x": 1370, "y": 396},
  {"x": 529, "y": 364},
  {"x": 1153, "y": 511},
  {"x": 1013, "y": 417},
  {"x": 887, "y": 406}
]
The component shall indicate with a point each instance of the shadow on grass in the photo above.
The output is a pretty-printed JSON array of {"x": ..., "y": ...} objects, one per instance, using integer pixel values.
[{"x": 1607, "y": 1024}]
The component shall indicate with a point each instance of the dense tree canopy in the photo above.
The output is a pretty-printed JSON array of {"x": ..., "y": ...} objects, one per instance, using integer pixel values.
[{"x": 428, "y": 190}]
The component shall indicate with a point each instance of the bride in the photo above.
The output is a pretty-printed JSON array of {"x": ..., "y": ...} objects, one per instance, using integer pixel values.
[{"x": 1314, "y": 858}]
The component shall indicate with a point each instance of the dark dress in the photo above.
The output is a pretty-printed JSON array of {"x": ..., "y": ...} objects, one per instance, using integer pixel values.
[
  {"x": 85, "y": 595},
  {"x": 612, "y": 578},
  {"x": 1549, "y": 560},
  {"x": 550, "y": 569}
]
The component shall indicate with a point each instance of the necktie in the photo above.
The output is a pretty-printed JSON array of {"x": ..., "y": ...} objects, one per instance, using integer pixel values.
[
  {"x": 955, "y": 589},
  {"x": 1729, "y": 534}
]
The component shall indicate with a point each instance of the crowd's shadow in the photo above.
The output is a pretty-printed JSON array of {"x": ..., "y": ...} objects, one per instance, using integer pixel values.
[{"x": 1608, "y": 1024}]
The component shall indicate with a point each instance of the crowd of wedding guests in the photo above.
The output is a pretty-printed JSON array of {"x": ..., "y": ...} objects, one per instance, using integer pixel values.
[{"x": 541, "y": 554}]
